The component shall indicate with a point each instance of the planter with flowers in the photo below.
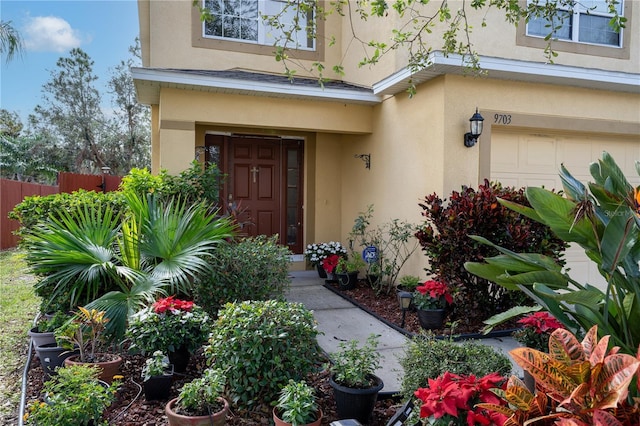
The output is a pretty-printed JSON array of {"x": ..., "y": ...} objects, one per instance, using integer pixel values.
[
  {"x": 535, "y": 332},
  {"x": 316, "y": 253},
  {"x": 157, "y": 375},
  {"x": 176, "y": 327},
  {"x": 430, "y": 300},
  {"x": 85, "y": 333},
  {"x": 451, "y": 400}
]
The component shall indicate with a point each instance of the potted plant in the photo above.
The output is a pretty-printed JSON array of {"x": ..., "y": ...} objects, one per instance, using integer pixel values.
[
  {"x": 174, "y": 326},
  {"x": 316, "y": 253},
  {"x": 297, "y": 406},
  {"x": 85, "y": 332},
  {"x": 200, "y": 402},
  {"x": 43, "y": 332},
  {"x": 157, "y": 374},
  {"x": 430, "y": 300},
  {"x": 75, "y": 396},
  {"x": 354, "y": 383},
  {"x": 347, "y": 271}
]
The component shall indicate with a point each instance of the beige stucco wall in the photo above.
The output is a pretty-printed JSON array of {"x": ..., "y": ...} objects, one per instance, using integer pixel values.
[{"x": 166, "y": 36}]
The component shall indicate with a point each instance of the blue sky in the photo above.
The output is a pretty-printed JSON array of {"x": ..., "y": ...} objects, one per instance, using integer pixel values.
[{"x": 50, "y": 29}]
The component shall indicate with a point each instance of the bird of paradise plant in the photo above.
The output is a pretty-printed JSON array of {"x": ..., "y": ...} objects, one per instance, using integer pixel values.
[
  {"x": 602, "y": 217},
  {"x": 578, "y": 384}
]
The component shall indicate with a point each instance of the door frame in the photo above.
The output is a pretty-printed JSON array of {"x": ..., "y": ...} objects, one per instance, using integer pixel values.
[{"x": 217, "y": 149}]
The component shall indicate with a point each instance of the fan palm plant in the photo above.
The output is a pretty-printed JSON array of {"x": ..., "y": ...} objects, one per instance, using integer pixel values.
[{"x": 92, "y": 257}]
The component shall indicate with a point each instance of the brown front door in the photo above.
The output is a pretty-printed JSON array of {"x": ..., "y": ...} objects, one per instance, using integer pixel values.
[{"x": 264, "y": 184}]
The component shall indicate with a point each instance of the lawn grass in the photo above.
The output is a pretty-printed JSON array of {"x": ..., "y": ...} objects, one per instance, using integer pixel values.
[{"x": 18, "y": 306}]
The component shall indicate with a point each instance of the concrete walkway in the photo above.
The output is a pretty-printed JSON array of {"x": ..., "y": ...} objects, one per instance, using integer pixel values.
[{"x": 340, "y": 321}]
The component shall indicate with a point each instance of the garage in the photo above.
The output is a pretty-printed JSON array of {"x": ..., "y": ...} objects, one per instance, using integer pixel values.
[{"x": 526, "y": 158}]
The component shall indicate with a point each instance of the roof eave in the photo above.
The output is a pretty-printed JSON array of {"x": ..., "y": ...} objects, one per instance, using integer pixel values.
[{"x": 510, "y": 69}]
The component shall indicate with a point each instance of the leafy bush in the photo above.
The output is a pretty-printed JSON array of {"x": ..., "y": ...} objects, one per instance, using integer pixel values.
[
  {"x": 353, "y": 366},
  {"x": 265, "y": 343},
  {"x": 76, "y": 397},
  {"x": 192, "y": 185},
  {"x": 255, "y": 268},
  {"x": 200, "y": 397},
  {"x": 444, "y": 238},
  {"x": 427, "y": 358},
  {"x": 37, "y": 209}
]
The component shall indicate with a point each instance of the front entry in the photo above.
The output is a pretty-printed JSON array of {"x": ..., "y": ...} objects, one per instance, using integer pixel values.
[{"x": 263, "y": 185}]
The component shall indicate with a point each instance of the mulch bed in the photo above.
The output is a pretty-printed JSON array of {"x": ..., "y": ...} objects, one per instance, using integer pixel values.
[{"x": 131, "y": 408}]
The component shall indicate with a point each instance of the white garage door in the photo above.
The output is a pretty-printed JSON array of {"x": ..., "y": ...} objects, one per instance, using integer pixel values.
[{"x": 527, "y": 159}]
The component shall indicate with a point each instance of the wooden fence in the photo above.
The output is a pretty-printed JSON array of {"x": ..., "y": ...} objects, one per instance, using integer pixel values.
[{"x": 12, "y": 192}]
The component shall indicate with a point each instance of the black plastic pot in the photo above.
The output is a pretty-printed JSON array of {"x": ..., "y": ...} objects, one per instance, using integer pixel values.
[
  {"x": 52, "y": 356},
  {"x": 354, "y": 403},
  {"x": 157, "y": 387},
  {"x": 347, "y": 281}
]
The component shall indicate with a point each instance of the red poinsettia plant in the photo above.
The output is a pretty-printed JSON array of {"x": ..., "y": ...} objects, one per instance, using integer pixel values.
[
  {"x": 172, "y": 304},
  {"x": 536, "y": 329},
  {"x": 330, "y": 262},
  {"x": 432, "y": 295},
  {"x": 450, "y": 399}
]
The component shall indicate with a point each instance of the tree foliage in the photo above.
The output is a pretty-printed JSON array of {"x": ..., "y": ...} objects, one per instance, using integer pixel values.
[
  {"x": 414, "y": 25},
  {"x": 10, "y": 40}
]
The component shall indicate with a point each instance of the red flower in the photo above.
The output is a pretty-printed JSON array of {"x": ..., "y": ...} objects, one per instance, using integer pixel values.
[
  {"x": 456, "y": 396},
  {"x": 330, "y": 262},
  {"x": 436, "y": 289},
  {"x": 172, "y": 304},
  {"x": 541, "y": 322}
]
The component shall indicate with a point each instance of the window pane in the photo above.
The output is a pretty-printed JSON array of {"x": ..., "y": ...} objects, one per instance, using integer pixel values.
[
  {"x": 249, "y": 29},
  {"x": 542, "y": 27},
  {"x": 596, "y": 29},
  {"x": 599, "y": 6}
]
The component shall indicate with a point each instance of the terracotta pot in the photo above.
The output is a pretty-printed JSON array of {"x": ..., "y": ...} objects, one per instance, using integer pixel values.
[
  {"x": 430, "y": 318},
  {"x": 279, "y": 422},
  {"x": 108, "y": 368},
  {"x": 216, "y": 419}
]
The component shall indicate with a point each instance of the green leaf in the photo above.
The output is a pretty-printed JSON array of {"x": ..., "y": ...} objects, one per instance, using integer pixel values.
[
  {"x": 507, "y": 315},
  {"x": 559, "y": 214}
]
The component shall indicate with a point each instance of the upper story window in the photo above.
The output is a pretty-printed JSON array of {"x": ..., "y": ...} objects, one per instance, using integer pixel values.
[
  {"x": 584, "y": 21},
  {"x": 242, "y": 20}
]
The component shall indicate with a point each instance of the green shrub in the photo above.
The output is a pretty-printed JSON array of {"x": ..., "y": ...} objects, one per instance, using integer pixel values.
[
  {"x": 254, "y": 268},
  {"x": 427, "y": 357},
  {"x": 36, "y": 209},
  {"x": 444, "y": 238},
  {"x": 262, "y": 344},
  {"x": 192, "y": 185}
]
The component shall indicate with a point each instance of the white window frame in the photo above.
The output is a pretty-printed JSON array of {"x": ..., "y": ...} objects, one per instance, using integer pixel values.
[
  {"x": 266, "y": 34},
  {"x": 574, "y": 37}
]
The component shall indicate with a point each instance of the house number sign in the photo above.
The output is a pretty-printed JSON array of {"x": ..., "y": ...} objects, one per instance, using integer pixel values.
[{"x": 370, "y": 254}]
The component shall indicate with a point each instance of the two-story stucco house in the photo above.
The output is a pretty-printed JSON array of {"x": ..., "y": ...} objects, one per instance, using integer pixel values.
[{"x": 295, "y": 151}]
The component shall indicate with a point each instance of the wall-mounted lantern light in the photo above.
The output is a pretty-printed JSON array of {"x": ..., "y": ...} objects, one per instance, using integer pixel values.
[{"x": 475, "y": 125}]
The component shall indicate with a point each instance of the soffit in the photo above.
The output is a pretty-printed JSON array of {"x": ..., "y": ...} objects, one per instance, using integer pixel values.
[
  {"x": 148, "y": 82},
  {"x": 509, "y": 69}
]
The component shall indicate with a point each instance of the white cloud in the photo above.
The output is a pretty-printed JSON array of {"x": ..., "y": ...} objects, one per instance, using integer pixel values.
[{"x": 50, "y": 34}]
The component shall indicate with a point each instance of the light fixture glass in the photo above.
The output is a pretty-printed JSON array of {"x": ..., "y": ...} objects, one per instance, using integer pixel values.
[{"x": 475, "y": 127}]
